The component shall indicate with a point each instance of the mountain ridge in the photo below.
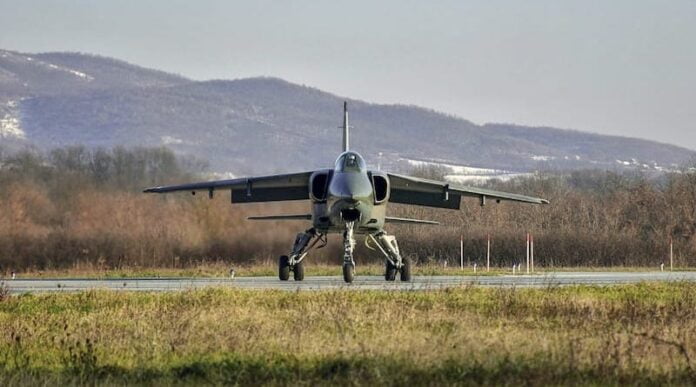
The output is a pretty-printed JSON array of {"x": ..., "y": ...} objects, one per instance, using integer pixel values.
[{"x": 267, "y": 124}]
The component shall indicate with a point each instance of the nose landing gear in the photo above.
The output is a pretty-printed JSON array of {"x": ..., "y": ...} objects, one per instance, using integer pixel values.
[{"x": 348, "y": 247}]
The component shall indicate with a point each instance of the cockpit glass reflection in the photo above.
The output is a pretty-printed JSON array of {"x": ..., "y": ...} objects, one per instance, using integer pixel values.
[{"x": 350, "y": 162}]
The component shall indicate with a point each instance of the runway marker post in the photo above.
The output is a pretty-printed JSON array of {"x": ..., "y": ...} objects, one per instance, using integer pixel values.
[
  {"x": 527, "y": 253},
  {"x": 531, "y": 250},
  {"x": 488, "y": 253},
  {"x": 671, "y": 254},
  {"x": 461, "y": 252}
]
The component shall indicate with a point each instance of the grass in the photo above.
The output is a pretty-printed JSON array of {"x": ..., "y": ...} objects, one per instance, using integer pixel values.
[
  {"x": 222, "y": 270},
  {"x": 632, "y": 334},
  {"x": 219, "y": 270}
]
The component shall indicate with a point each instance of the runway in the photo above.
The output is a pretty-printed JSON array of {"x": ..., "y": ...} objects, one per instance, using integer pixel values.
[{"x": 24, "y": 285}]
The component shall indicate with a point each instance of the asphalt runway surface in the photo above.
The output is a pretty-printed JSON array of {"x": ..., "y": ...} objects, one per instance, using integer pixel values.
[{"x": 24, "y": 285}]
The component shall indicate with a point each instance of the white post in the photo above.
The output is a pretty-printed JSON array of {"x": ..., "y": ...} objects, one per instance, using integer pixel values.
[
  {"x": 531, "y": 250},
  {"x": 474, "y": 267},
  {"x": 461, "y": 252},
  {"x": 671, "y": 254},
  {"x": 488, "y": 253},
  {"x": 527, "y": 253},
  {"x": 513, "y": 269},
  {"x": 662, "y": 267}
]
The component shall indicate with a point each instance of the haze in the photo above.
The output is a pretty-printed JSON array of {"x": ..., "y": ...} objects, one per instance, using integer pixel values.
[{"x": 624, "y": 68}]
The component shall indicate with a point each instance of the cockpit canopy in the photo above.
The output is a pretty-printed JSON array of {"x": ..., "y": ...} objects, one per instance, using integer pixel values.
[{"x": 350, "y": 162}]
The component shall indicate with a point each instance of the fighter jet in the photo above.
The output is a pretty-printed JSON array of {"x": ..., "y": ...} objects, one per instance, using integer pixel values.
[{"x": 350, "y": 200}]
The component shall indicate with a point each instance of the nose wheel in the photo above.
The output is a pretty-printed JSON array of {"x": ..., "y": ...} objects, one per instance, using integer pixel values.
[{"x": 348, "y": 272}]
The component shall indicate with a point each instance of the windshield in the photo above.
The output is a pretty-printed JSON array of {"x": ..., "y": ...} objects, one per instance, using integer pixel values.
[{"x": 350, "y": 162}]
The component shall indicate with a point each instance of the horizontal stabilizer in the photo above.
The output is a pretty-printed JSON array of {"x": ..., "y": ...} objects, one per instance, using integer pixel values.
[
  {"x": 390, "y": 219},
  {"x": 282, "y": 217}
]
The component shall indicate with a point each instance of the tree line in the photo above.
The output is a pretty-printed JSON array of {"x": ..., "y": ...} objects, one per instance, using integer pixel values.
[{"x": 74, "y": 205}]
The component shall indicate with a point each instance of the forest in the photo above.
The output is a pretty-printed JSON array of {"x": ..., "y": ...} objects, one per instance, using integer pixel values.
[{"x": 76, "y": 206}]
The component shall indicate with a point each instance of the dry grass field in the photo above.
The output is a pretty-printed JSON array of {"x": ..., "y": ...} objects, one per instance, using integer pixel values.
[
  {"x": 221, "y": 269},
  {"x": 634, "y": 334}
]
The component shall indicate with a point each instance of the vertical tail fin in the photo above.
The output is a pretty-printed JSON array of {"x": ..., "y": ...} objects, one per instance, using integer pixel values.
[{"x": 345, "y": 127}]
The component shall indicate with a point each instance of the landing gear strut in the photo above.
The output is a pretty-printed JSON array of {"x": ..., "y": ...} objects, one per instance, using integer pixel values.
[
  {"x": 348, "y": 247},
  {"x": 304, "y": 242},
  {"x": 394, "y": 262}
]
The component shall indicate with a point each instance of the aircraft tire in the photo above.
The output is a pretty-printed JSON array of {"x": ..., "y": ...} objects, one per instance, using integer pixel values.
[
  {"x": 406, "y": 270},
  {"x": 390, "y": 274},
  {"x": 298, "y": 271},
  {"x": 284, "y": 268},
  {"x": 348, "y": 272}
]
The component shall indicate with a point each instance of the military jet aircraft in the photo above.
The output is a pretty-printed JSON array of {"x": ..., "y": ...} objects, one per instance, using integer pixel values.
[{"x": 348, "y": 199}]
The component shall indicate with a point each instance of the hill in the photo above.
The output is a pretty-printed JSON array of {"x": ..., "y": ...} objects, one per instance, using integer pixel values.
[{"x": 266, "y": 125}]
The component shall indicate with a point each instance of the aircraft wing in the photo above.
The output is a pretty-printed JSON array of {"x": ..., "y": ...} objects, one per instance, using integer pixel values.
[
  {"x": 293, "y": 186},
  {"x": 432, "y": 193}
]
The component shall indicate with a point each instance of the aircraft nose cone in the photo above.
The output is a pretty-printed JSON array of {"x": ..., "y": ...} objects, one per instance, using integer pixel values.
[
  {"x": 350, "y": 187},
  {"x": 348, "y": 199}
]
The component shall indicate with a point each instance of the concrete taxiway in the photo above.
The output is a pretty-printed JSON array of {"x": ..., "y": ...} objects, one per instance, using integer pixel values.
[{"x": 23, "y": 285}]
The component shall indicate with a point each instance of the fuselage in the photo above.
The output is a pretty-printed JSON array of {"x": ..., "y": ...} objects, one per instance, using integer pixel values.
[{"x": 349, "y": 197}]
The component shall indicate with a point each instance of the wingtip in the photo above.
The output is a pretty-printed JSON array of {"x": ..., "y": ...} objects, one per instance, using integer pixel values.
[{"x": 544, "y": 201}]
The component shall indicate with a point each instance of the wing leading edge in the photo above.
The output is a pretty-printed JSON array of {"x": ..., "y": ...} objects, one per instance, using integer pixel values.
[
  {"x": 293, "y": 186},
  {"x": 432, "y": 193},
  {"x": 282, "y": 217},
  {"x": 391, "y": 219}
]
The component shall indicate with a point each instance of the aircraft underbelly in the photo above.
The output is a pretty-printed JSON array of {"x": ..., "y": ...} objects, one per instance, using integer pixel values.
[{"x": 329, "y": 217}]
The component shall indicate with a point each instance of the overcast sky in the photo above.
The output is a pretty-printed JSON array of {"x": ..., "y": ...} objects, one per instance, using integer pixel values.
[{"x": 624, "y": 67}]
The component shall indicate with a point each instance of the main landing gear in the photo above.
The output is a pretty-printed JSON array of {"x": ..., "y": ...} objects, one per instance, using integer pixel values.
[
  {"x": 294, "y": 263},
  {"x": 394, "y": 262}
]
